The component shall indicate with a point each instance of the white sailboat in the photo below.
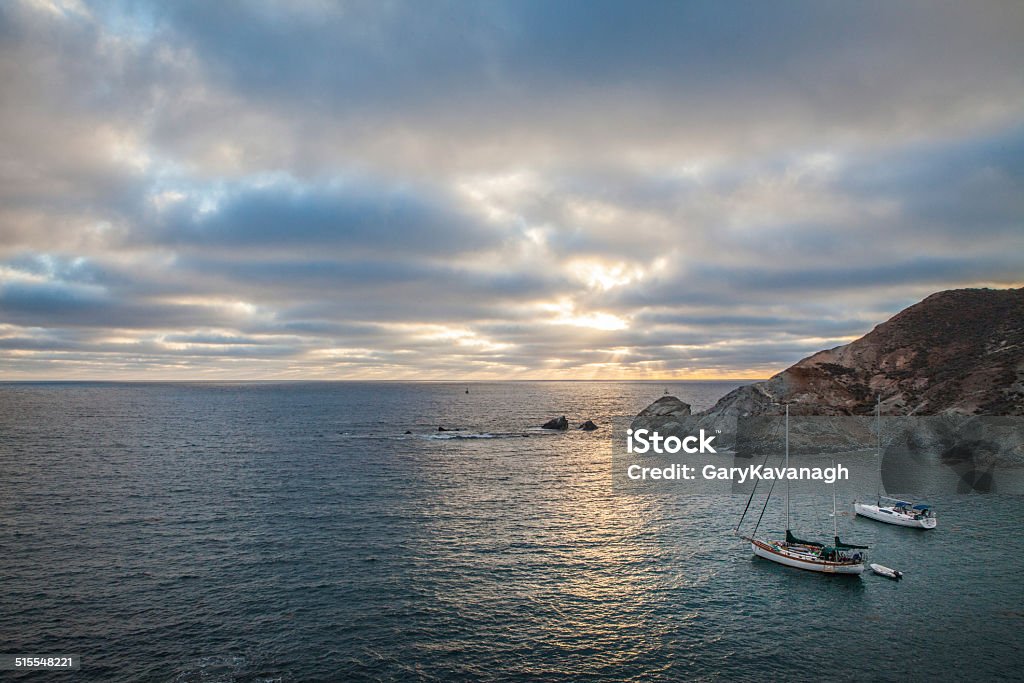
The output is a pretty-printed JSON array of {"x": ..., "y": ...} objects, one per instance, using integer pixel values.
[
  {"x": 893, "y": 510},
  {"x": 839, "y": 558}
]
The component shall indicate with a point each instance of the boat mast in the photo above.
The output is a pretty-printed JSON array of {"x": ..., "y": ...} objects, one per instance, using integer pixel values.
[
  {"x": 787, "y": 471},
  {"x": 878, "y": 446},
  {"x": 835, "y": 522}
]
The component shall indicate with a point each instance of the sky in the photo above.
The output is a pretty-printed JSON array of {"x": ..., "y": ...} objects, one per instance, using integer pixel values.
[{"x": 494, "y": 190}]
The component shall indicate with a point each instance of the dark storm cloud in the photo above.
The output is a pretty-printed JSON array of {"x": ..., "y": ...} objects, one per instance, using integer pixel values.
[{"x": 504, "y": 188}]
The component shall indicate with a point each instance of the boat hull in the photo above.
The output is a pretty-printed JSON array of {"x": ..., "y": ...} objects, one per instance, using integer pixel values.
[
  {"x": 882, "y": 514},
  {"x": 768, "y": 552},
  {"x": 887, "y": 572}
]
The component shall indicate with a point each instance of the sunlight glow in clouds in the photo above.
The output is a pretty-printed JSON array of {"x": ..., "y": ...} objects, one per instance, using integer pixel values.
[
  {"x": 604, "y": 276},
  {"x": 494, "y": 190},
  {"x": 565, "y": 313}
]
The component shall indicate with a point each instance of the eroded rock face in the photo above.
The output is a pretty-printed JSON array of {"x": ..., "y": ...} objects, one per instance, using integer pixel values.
[{"x": 985, "y": 453}]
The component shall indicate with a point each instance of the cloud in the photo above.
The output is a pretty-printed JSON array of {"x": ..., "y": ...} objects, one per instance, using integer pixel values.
[
  {"x": 497, "y": 190},
  {"x": 49, "y": 299},
  {"x": 353, "y": 218}
]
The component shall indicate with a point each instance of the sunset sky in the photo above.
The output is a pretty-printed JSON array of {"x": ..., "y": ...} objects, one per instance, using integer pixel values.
[{"x": 494, "y": 190}]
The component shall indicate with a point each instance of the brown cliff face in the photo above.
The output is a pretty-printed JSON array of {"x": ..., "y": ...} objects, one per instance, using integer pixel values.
[
  {"x": 959, "y": 351},
  {"x": 957, "y": 354}
]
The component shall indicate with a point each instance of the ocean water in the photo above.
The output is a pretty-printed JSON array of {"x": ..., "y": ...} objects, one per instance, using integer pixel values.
[{"x": 294, "y": 532}]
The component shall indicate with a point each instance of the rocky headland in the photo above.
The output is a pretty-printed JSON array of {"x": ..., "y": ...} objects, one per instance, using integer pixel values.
[{"x": 958, "y": 355}]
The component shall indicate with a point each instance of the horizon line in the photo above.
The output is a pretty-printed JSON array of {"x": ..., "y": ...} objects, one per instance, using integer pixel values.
[{"x": 322, "y": 380}]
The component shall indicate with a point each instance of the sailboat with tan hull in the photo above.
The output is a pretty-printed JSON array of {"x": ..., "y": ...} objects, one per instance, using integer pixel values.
[{"x": 837, "y": 558}]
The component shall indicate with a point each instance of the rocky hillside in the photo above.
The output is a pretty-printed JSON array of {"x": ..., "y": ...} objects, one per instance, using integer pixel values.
[{"x": 957, "y": 352}]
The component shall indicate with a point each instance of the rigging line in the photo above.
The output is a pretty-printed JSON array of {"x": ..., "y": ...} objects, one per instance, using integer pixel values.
[
  {"x": 765, "y": 508},
  {"x": 771, "y": 439},
  {"x": 751, "y": 498}
]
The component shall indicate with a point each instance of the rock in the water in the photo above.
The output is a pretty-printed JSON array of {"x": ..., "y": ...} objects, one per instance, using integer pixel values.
[
  {"x": 407, "y": 431},
  {"x": 588, "y": 426},
  {"x": 557, "y": 423}
]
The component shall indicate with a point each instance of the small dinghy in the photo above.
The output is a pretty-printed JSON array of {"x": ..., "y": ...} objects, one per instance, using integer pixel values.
[{"x": 886, "y": 572}]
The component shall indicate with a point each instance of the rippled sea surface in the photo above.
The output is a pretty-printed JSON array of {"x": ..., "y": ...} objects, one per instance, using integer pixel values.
[{"x": 295, "y": 532}]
